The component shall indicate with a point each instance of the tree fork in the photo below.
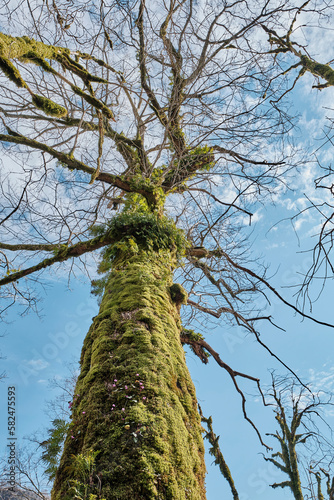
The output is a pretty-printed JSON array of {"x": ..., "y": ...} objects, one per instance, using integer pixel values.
[{"x": 134, "y": 401}]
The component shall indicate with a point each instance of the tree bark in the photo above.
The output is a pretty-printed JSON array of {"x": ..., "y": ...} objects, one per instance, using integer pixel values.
[{"x": 134, "y": 401}]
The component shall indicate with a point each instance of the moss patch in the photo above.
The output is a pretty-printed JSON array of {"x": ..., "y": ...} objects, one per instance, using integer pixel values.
[
  {"x": 317, "y": 69},
  {"x": 178, "y": 294},
  {"x": 49, "y": 107},
  {"x": 8, "y": 68},
  {"x": 135, "y": 402},
  {"x": 136, "y": 231}
]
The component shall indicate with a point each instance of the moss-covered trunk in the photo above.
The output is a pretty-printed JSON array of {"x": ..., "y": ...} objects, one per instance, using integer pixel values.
[{"x": 135, "y": 402}]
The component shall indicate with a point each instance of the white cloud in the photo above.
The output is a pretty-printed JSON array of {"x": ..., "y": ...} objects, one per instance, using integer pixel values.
[
  {"x": 38, "y": 364},
  {"x": 322, "y": 380},
  {"x": 299, "y": 222}
]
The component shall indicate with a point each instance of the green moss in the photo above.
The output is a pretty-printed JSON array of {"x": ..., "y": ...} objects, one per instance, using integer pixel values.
[
  {"x": 94, "y": 102},
  {"x": 194, "y": 160},
  {"x": 32, "y": 58},
  {"x": 28, "y": 50},
  {"x": 132, "y": 359},
  {"x": 49, "y": 107},
  {"x": 135, "y": 231},
  {"x": 12, "y": 72},
  {"x": 17, "y": 47},
  {"x": 74, "y": 66},
  {"x": 151, "y": 190},
  {"x": 317, "y": 69},
  {"x": 178, "y": 294},
  {"x": 200, "y": 158},
  {"x": 135, "y": 202},
  {"x": 149, "y": 231},
  {"x": 192, "y": 335}
]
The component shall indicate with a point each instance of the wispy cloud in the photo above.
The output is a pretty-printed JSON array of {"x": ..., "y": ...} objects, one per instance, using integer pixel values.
[
  {"x": 37, "y": 364},
  {"x": 322, "y": 380}
]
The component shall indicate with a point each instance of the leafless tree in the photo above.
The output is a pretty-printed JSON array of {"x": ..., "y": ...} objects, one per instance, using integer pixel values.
[
  {"x": 305, "y": 453},
  {"x": 31, "y": 483},
  {"x": 113, "y": 116}
]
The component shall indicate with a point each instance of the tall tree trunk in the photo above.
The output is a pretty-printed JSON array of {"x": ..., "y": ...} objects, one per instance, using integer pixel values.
[{"x": 134, "y": 401}]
